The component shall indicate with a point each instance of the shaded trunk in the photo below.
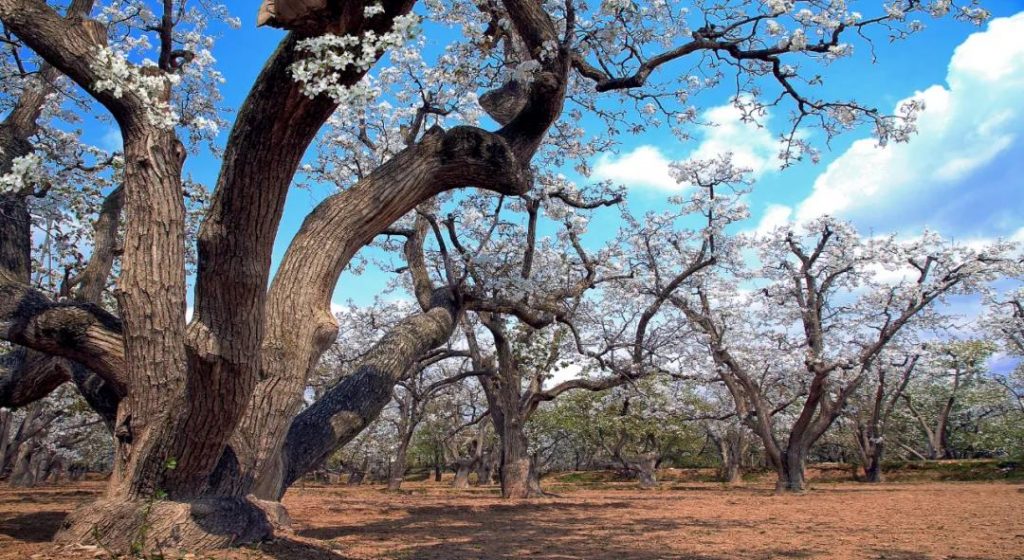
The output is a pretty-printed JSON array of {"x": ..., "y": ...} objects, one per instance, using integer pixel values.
[
  {"x": 873, "y": 465},
  {"x": 485, "y": 469},
  {"x": 22, "y": 470},
  {"x": 732, "y": 445},
  {"x": 872, "y": 449},
  {"x": 519, "y": 476},
  {"x": 356, "y": 475},
  {"x": 398, "y": 466},
  {"x": 791, "y": 472}
]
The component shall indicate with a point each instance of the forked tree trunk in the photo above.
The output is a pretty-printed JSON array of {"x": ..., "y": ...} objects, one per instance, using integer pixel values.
[
  {"x": 730, "y": 473},
  {"x": 518, "y": 475},
  {"x": 872, "y": 450}
]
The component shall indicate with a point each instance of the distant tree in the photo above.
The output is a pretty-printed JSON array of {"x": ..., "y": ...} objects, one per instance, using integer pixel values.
[
  {"x": 873, "y": 411},
  {"x": 820, "y": 320},
  {"x": 950, "y": 372}
]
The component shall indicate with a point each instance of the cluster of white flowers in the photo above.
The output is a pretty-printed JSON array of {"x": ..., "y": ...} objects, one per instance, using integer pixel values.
[
  {"x": 26, "y": 172},
  {"x": 548, "y": 51},
  {"x": 330, "y": 55},
  {"x": 525, "y": 71},
  {"x": 895, "y": 11},
  {"x": 844, "y": 115},
  {"x": 774, "y": 29},
  {"x": 840, "y": 50},
  {"x": 613, "y": 6},
  {"x": 977, "y": 16},
  {"x": 798, "y": 41},
  {"x": 373, "y": 9},
  {"x": 901, "y": 127},
  {"x": 779, "y": 7},
  {"x": 118, "y": 76},
  {"x": 940, "y": 8}
]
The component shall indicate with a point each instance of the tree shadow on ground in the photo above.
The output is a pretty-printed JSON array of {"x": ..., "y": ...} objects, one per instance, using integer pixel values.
[
  {"x": 286, "y": 548},
  {"x": 38, "y": 526},
  {"x": 547, "y": 531}
]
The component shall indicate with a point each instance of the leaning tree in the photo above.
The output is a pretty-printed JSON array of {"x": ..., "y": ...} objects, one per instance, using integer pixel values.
[{"x": 208, "y": 409}]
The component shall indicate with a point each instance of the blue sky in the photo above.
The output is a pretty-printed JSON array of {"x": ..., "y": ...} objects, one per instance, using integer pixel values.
[{"x": 961, "y": 175}]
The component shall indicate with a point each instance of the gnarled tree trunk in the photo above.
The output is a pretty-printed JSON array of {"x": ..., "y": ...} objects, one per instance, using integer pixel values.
[{"x": 207, "y": 412}]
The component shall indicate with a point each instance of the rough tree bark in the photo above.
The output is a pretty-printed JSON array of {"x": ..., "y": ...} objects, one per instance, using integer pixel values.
[
  {"x": 206, "y": 413},
  {"x": 732, "y": 446},
  {"x": 485, "y": 468}
]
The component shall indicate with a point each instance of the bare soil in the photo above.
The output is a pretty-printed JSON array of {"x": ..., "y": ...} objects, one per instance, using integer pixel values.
[{"x": 678, "y": 520}]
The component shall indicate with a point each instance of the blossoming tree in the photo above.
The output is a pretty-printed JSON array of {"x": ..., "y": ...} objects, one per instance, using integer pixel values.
[{"x": 208, "y": 429}]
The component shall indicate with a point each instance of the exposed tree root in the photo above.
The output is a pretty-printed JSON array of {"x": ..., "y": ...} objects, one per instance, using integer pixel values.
[{"x": 132, "y": 527}]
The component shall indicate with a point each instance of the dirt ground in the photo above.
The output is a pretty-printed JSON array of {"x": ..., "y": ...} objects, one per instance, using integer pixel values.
[{"x": 696, "y": 521}]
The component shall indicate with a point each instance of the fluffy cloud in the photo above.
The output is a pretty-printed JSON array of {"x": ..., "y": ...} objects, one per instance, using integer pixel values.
[
  {"x": 752, "y": 145},
  {"x": 775, "y": 215},
  {"x": 644, "y": 167},
  {"x": 647, "y": 167},
  {"x": 966, "y": 125}
]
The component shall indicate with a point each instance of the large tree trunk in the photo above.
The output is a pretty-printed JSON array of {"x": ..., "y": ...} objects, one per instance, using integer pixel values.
[
  {"x": 519, "y": 476},
  {"x": 791, "y": 472}
]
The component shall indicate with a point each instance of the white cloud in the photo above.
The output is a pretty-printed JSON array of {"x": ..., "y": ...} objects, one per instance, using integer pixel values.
[
  {"x": 644, "y": 167},
  {"x": 753, "y": 146},
  {"x": 775, "y": 215},
  {"x": 965, "y": 125}
]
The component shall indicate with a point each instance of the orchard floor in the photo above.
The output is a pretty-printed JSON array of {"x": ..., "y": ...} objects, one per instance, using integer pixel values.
[{"x": 698, "y": 521}]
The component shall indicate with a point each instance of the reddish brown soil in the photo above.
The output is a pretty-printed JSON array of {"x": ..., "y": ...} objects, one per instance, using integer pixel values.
[{"x": 695, "y": 521}]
